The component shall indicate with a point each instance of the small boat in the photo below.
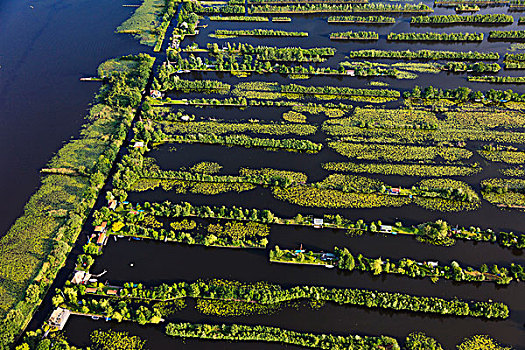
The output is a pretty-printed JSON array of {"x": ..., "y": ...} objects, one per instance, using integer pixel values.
[
  {"x": 329, "y": 266},
  {"x": 94, "y": 318}
]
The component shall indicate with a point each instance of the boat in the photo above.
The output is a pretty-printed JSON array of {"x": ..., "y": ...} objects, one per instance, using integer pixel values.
[
  {"x": 94, "y": 318},
  {"x": 329, "y": 266}
]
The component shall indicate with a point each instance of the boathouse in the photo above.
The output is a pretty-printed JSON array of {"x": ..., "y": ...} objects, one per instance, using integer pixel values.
[{"x": 318, "y": 223}]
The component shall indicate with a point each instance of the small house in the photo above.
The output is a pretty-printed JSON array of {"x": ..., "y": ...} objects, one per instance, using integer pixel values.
[
  {"x": 318, "y": 222},
  {"x": 80, "y": 277},
  {"x": 91, "y": 290},
  {"x": 350, "y": 72},
  {"x": 111, "y": 292},
  {"x": 394, "y": 190},
  {"x": 112, "y": 204},
  {"x": 432, "y": 263},
  {"x": 185, "y": 118},
  {"x": 59, "y": 318},
  {"x": 101, "y": 238},
  {"x": 101, "y": 227},
  {"x": 138, "y": 144},
  {"x": 155, "y": 94},
  {"x": 385, "y": 229}
]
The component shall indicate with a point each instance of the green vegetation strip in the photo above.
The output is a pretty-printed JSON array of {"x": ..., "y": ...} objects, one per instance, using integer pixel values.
[
  {"x": 239, "y": 18},
  {"x": 454, "y": 19},
  {"x": 433, "y": 36},
  {"x": 266, "y": 293},
  {"x": 218, "y": 128},
  {"x": 342, "y": 8},
  {"x": 497, "y": 79},
  {"x": 350, "y": 35},
  {"x": 434, "y": 170},
  {"x": 507, "y": 34},
  {"x": 425, "y": 55},
  {"x": 360, "y": 19},
  {"x": 432, "y": 233},
  {"x": 226, "y": 33},
  {"x": 238, "y": 332},
  {"x": 344, "y": 260},
  {"x": 240, "y": 140}
]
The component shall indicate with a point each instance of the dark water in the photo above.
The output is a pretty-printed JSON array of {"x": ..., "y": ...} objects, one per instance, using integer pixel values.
[{"x": 45, "y": 50}]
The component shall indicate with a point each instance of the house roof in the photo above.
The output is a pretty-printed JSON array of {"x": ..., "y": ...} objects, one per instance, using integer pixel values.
[
  {"x": 101, "y": 238},
  {"x": 91, "y": 290},
  {"x": 111, "y": 292},
  {"x": 80, "y": 276},
  {"x": 101, "y": 227}
]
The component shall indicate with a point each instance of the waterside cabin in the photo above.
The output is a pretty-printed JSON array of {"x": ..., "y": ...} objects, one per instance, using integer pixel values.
[
  {"x": 80, "y": 277},
  {"x": 385, "y": 229},
  {"x": 59, "y": 318}
]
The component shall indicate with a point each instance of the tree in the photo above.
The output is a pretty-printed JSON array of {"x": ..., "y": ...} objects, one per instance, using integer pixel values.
[
  {"x": 32, "y": 294},
  {"x": 377, "y": 266}
]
